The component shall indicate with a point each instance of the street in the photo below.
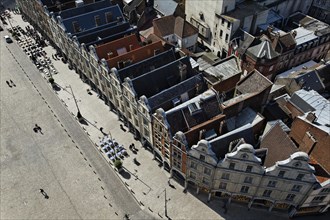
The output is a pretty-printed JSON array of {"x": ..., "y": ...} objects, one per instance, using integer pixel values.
[
  {"x": 65, "y": 162},
  {"x": 62, "y": 160}
]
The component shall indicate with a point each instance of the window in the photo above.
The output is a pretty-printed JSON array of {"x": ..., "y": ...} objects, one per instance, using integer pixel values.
[
  {"x": 108, "y": 17},
  {"x": 300, "y": 176},
  {"x": 232, "y": 166},
  {"x": 249, "y": 169},
  {"x": 193, "y": 165},
  {"x": 192, "y": 175},
  {"x": 228, "y": 25},
  {"x": 206, "y": 181},
  {"x": 222, "y": 21},
  {"x": 227, "y": 36},
  {"x": 281, "y": 173},
  {"x": 325, "y": 190},
  {"x": 97, "y": 20},
  {"x": 76, "y": 26},
  {"x": 221, "y": 32},
  {"x": 248, "y": 179},
  {"x": 290, "y": 197},
  {"x": 225, "y": 176},
  {"x": 223, "y": 186},
  {"x": 296, "y": 188},
  {"x": 318, "y": 199},
  {"x": 271, "y": 183},
  {"x": 267, "y": 193},
  {"x": 244, "y": 189},
  {"x": 207, "y": 171},
  {"x": 202, "y": 157}
]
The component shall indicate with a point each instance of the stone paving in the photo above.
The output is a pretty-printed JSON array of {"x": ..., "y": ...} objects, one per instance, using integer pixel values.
[{"x": 147, "y": 181}]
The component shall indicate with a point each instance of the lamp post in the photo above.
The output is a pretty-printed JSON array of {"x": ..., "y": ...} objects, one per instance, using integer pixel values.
[
  {"x": 166, "y": 200},
  {"x": 79, "y": 116}
]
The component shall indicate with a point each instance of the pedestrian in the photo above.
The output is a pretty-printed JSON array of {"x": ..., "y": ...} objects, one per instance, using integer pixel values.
[
  {"x": 8, "y": 84},
  {"x": 101, "y": 129},
  {"x": 12, "y": 83},
  {"x": 169, "y": 182},
  {"x": 41, "y": 191}
]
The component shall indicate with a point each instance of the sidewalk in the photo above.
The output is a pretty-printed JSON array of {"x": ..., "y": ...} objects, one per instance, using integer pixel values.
[{"x": 146, "y": 181}]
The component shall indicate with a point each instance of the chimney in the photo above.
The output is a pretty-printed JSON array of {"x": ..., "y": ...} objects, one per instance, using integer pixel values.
[
  {"x": 183, "y": 71},
  {"x": 275, "y": 39},
  {"x": 201, "y": 134},
  {"x": 311, "y": 117},
  {"x": 270, "y": 29}
]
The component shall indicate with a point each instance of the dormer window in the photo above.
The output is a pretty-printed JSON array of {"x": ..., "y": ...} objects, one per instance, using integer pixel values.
[
  {"x": 202, "y": 157},
  {"x": 300, "y": 176},
  {"x": 97, "y": 20}
]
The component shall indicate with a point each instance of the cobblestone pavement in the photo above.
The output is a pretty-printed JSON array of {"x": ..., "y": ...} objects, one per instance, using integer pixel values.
[{"x": 147, "y": 181}]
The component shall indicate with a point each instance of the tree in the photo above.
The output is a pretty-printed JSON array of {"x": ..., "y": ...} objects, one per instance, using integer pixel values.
[
  {"x": 118, "y": 164},
  {"x": 51, "y": 80}
]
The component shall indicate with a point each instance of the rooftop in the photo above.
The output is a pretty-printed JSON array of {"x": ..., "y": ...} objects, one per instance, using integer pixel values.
[
  {"x": 87, "y": 7},
  {"x": 246, "y": 116},
  {"x": 136, "y": 55},
  {"x": 243, "y": 10},
  {"x": 180, "y": 118},
  {"x": 225, "y": 69},
  {"x": 220, "y": 145},
  {"x": 117, "y": 47},
  {"x": 263, "y": 50},
  {"x": 163, "y": 77},
  {"x": 311, "y": 101},
  {"x": 165, "y": 7},
  {"x": 87, "y": 21},
  {"x": 254, "y": 82},
  {"x": 164, "y": 98},
  {"x": 278, "y": 144},
  {"x": 146, "y": 65},
  {"x": 173, "y": 25},
  {"x": 304, "y": 35}
]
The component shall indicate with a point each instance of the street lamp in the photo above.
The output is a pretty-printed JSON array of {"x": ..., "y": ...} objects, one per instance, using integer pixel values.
[
  {"x": 79, "y": 116},
  {"x": 166, "y": 200}
]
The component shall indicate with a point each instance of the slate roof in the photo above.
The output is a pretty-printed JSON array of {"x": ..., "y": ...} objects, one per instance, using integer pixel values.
[
  {"x": 262, "y": 50},
  {"x": 86, "y": 21},
  {"x": 225, "y": 69},
  {"x": 173, "y": 25},
  {"x": 86, "y": 8},
  {"x": 165, "y": 7},
  {"x": 255, "y": 82},
  {"x": 248, "y": 40},
  {"x": 314, "y": 102},
  {"x": 147, "y": 65},
  {"x": 104, "y": 35},
  {"x": 180, "y": 119},
  {"x": 220, "y": 145},
  {"x": 162, "y": 78},
  {"x": 164, "y": 97},
  {"x": 246, "y": 116},
  {"x": 278, "y": 144},
  {"x": 305, "y": 75}
]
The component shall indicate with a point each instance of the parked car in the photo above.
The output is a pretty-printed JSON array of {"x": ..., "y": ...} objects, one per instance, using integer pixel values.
[{"x": 8, "y": 39}]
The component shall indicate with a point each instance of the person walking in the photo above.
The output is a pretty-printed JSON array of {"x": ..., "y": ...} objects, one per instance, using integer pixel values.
[
  {"x": 8, "y": 84},
  {"x": 12, "y": 83}
]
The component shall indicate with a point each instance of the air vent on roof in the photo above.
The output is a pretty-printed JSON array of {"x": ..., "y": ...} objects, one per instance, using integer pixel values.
[
  {"x": 120, "y": 64},
  {"x": 176, "y": 101},
  {"x": 79, "y": 3},
  {"x": 194, "y": 108}
]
